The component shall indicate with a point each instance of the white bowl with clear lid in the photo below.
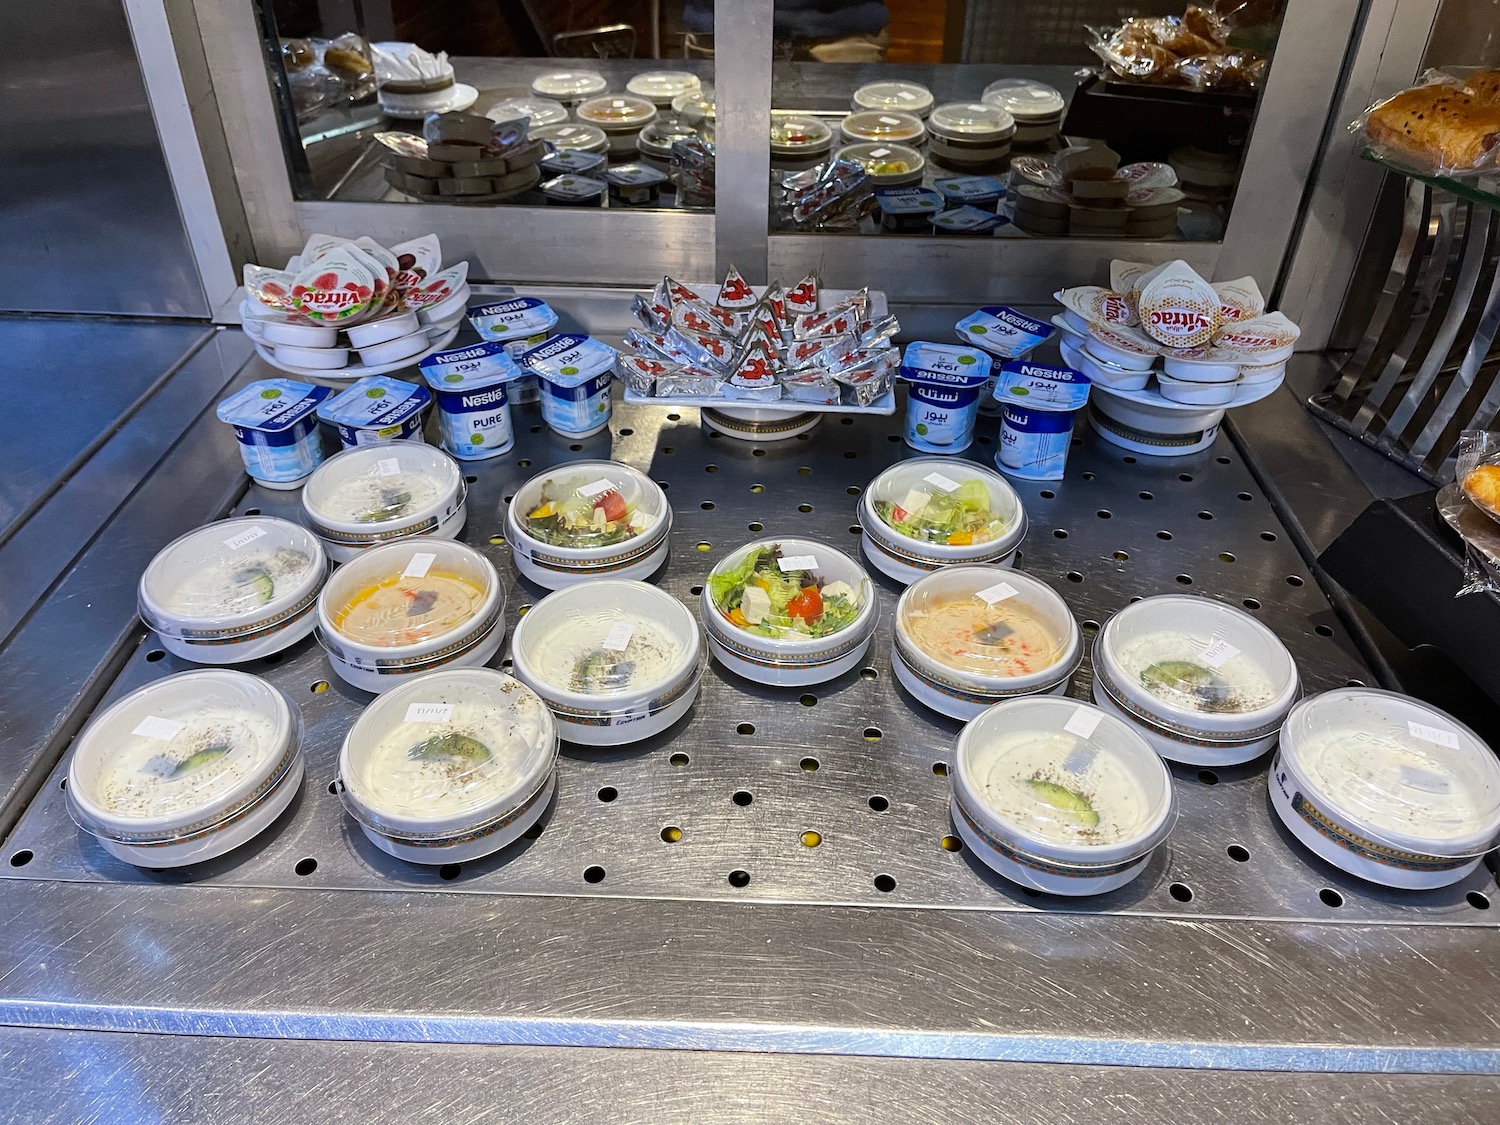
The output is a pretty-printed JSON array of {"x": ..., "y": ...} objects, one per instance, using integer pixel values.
[
  {"x": 569, "y": 86},
  {"x": 403, "y": 609},
  {"x": 541, "y": 111},
  {"x": 449, "y": 767},
  {"x": 616, "y": 661},
  {"x": 799, "y": 140},
  {"x": 907, "y": 97},
  {"x": 889, "y": 165},
  {"x": 969, "y": 134},
  {"x": 621, "y": 117},
  {"x": 234, "y": 590},
  {"x": 1060, "y": 797},
  {"x": 588, "y": 519},
  {"x": 968, "y": 637},
  {"x": 374, "y": 494},
  {"x": 783, "y": 636},
  {"x": 1036, "y": 107},
  {"x": 186, "y": 768},
  {"x": 661, "y": 87},
  {"x": 932, "y": 512},
  {"x": 883, "y": 126},
  {"x": 1387, "y": 788},
  {"x": 1207, "y": 684}
]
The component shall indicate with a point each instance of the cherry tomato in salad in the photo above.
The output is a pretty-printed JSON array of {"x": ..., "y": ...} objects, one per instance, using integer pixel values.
[
  {"x": 613, "y": 504},
  {"x": 807, "y": 605}
]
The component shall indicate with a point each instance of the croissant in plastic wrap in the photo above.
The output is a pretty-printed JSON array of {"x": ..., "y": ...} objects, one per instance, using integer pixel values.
[
  {"x": 1446, "y": 125},
  {"x": 1191, "y": 50}
]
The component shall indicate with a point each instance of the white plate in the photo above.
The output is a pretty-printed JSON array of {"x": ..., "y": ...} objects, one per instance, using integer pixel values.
[
  {"x": 462, "y": 98},
  {"x": 358, "y": 370},
  {"x": 1151, "y": 396},
  {"x": 885, "y": 404}
]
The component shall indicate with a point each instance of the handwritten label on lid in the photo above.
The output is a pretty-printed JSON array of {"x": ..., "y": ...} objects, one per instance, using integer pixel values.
[
  {"x": 154, "y": 726},
  {"x": 1438, "y": 736},
  {"x": 388, "y": 466},
  {"x": 1428, "y": 782},
  {"x": 798, "y": 562},
  {"x": 243, "y": 538},
  {"x": 1218, "y": 652},
  {"x": 997, "y": 593},
  {"x": 429, "y": 712},
  {"x": 1083, "y": 723},
  {"x": 618, "y": 637},
  {"x": 937, "y": 480},
  {"x": 597, "y": 488},
  {"x": 417, "y": 568}
]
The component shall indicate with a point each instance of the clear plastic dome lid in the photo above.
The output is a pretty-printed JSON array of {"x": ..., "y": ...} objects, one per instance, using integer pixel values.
[
  {"x": 794, "y": 590},
  {"x": 461, "y": 747},
  {"x": 573, "y": 135},
  {"x": 385, "y": 484},
  {"x": 664, "y": 85},
  {"x": 988, "y": 622},
  {"x": 408, "y": 593},
  {"x": 542, "y": 111},
  {"x": 230, "y": 574},
  {"x": 1396, "y": 770},
  {"x": 884, "y": 125},
  {"x": 795, "y": 133},
  {"x": 883, "y": 159},
  {"x": 569, "y": 84},
  {"x": 588, "y": 504},
  {"x": 908, "y": 97},
  {"x": 615, "y": 111},
  {"x": 658, "y": 137},
  {"x": 178, "y": 752},
  {"x": 1025, "y": 99},
  {"x": 1182, "y": 656},
  {"x": 947, "y": 502},
  {"x": 971, "y": 121},
  {"x": 1063, "y": 779},
  {"x": 695, "y": 106},
  {"x": 607, "y": 639}
]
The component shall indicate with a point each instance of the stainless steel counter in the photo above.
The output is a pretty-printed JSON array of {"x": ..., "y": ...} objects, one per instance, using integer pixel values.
[{"x": 1238, "y": 979}]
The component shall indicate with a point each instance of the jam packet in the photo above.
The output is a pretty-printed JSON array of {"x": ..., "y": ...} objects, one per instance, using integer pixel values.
[
  {"x": 437, "y": 289},
  {"x": 1239, "y": 299},
  {"x": 272, "y": 289},
  {"x": 1177, "y": 307},
  {"x": 336, "y": 289},
  {"x": 1098, "y": 305}
]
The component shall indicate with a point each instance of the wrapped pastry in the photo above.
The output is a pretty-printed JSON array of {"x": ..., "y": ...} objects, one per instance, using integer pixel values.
[
  {"x": 1478, "y": 469},
  {"x": 1439, "y": 128}
]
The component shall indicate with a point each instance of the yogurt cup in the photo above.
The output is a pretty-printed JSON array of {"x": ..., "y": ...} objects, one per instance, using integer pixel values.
[
  {"x": 907, "y": 210},
  {"x": 573, "y": 377},
  {"x": 472, "y": 387},
  {"x": 541, "y": 111},
  {"x": 968, "y": 637},
  {"x": 889, "y": 165},
  {"x": 966, "y": 221},
  {"x": 621, "y": 117},
  {"x": 377, "y": 409},
  {"x": 276, "y": 425},
  {"x": 772, "y": 653},
  {"x": 450, "y": 766},
  {"x": 1387, "y": 788},
  {"x": 573, "y": 136},
  {"x": 376, "y": 494},
  {"x": 942, "y": 404},
  {"x": 883, "y": 127},
  {"x": 983, "y": 192},
  {"x": 520, "y": 323},
  {"x": 1002, "y": 331},
  {"x": 233, "y": 591},
  {"x": 558, "y": 540},
  {"x": 1034, "y": 443},
  {"x": 634, "y": 185},
  {"x": 906, "y": 512},
  {"x": 1207, "y": 684},
  {"x": 568, "y": 87},
  {"x": 1059, "y": 796},
  {"x": 616, "y": 661},
  {"x": 969, "y": 134},
  {"x": 573, "y": 162},
  {"x": 403, "y": 609},
  {"x": 1197, "y": 392},
  {"x": 574, "y": 191},
  {"x": 372, "y": 332},
  {"x": 662, "y": 87},
  {"x": 907, "y": 97},
  {"x": 186, "y": 768}
]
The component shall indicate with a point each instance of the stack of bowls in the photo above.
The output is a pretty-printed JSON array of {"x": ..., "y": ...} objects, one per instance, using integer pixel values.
[
  {"x": 186, "y": 768},
  {"x": 450, "y": 767},
  {"x": 1060, "y": 797},
  {"x": 1207, "y": 684},
  {"x": 375, "y": 494}
]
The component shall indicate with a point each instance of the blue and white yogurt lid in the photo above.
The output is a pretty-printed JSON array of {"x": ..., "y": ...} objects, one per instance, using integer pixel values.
[
  {"x": 271, "y": 405},
  {"x": 512, "y": 319},
  {"x": 944, "y": 364},
  {"x": 970, "y": 220},
  {"x": 1041, "y": 386},
  {"x": 569, "y": 359},
  {"x": 1003, "y": 331},
  {"x": 375, "y": 402},
  {"x": 962, "y": 189},
  {"x": 908, "y": 200},
  {"x": 467, "y": 368}
]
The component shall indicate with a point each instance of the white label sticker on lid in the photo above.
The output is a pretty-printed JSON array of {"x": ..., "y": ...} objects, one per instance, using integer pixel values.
[
  {"x": 566, "y": 132},
  {"x": 599, "y": 487},
  {"x": 241, "y": 539},
  {"x": 429, "y": 712},
  {"x": 1083, "y": 722},
  {"x": 618, "y": 637},
  {"x": 997, "y": 593},
  {"x": 880, "y": 153},
  {"x": 890, "y": 120},
  {"x": 937, "y": 480},
  {"x": 388, "y": 466},
  {"x": 906, "y": 95},
  {"x": 1425, "y": 780},
  {"x": 417, "y": 568},
  {"x": 797, "y": 562},
  {"x": 154, "y": 726},
  {"x": 1438, "y": 736},
  {"x": 1218, "y": 652}
]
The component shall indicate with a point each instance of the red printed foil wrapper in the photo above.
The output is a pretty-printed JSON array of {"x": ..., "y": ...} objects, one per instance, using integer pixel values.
[
  {"x": 271, "y": 288},
  {"x": 753, "y": 378},
  {"x": 648, "y": 315},
  {"x": 820, "y": 351},
  {"x": 438, "y": 288},
  {"x": 877, "y": 333},
  {"x": 640, "y": 372},
  {"x": 702, "y": 349},
  {"x": 736, "y": 293},
  {"x": 677, "y": 291},
  {"x": 812, "y": 385},
  {"x": 1239, "y": 300},
  {"x": 696, "y": 317},
  {"x": 776, "y": 298},
  {"x": 1098, "y": 305},
  {"x": 803, "y": 297},
  {"x": 1177, "y": 307},
  {"x": 867, "y": 375},
  {"x": 336, "y": 289},
  {"x": 840, "y": 321},
  {"x": 656, "y": 345}
]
